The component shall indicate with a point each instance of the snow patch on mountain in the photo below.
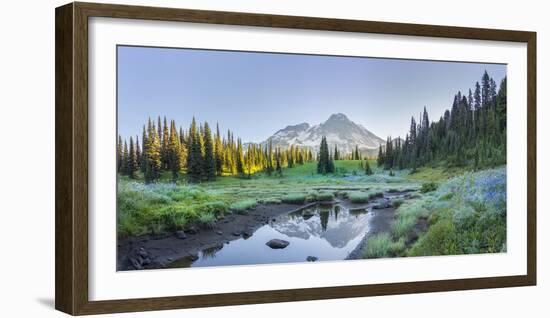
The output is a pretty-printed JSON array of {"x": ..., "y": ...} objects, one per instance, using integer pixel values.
[{"x": 339, "y": 130}]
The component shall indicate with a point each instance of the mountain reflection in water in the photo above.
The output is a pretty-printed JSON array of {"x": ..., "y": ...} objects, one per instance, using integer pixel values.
[{"x": 327, "y": 232}]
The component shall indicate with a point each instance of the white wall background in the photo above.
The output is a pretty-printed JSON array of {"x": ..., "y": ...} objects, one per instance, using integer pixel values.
[{"x": 27, "y": 178}]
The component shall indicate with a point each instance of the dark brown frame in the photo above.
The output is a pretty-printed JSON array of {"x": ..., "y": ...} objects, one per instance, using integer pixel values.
[{"x": 71, "y": 157}]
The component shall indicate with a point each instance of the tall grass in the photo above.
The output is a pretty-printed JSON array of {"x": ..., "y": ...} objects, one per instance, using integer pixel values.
[
  {"x": 157, "y": 208},
  {"x": 294, "y": 198}
]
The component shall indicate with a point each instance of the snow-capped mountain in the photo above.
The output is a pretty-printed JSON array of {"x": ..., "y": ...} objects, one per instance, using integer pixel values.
[{"x": 338, "y": 129}]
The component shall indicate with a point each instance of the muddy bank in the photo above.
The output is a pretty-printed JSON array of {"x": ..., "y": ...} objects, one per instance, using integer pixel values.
[
  {"x": 148, "y": 251},
  {"x": 382, "y": 221}
]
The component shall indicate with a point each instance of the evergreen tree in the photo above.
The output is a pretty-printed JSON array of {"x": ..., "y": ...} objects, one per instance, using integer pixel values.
[
  {"x": 501, "y": 106},
  {"x": 336, "y": 153},
  {"x": 290, "y": 157},
  {"x": 269, "y": 164},
  {"x": 218, "y": 151},
  {"x": 325, "y": 164},
  {"x": 125, "y": 159},
  {"x": 119, "y": 154},
  {"x": 194, "y": 156},
  {"x": 132, "y": 161},
  {"x": 159, "y": 129},
  {"x": 174, "y": 152},
  {"x": 388, "y": 155},
  {"x": 152, "y": 155},
  {"x": 368, "y": 170},
  {"x": 209, "y": 162},
  {"x": 143, "y": 164},
  {"x": 239, "y": 158},
  {"x": 380, "y": 159},
  {"x": 138, "y": 154},
  {"x": 323, "y": 157},
  {"x": 278, "y": 165}
]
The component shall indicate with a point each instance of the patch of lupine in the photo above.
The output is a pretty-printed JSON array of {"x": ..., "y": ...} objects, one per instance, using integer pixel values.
[{"x": 484, "y": 188}]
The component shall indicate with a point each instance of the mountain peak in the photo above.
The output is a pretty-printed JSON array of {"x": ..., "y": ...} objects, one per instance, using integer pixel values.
[
  {"x": 338, "y": 117},
  {"x": 339, "y": 131}
]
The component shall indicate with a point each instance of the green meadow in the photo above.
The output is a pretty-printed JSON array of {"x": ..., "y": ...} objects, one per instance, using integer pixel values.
[{"x": 451, "y": 211}]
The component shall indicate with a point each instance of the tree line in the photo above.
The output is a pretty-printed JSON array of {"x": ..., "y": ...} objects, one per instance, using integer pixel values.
[
  {"x": 471, "y": 133},
  {"x": 200, "y": 154}
]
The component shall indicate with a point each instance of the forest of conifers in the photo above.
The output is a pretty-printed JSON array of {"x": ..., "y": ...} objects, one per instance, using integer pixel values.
[
  {"x": 201, "y": 155},
  {"x": 471, "y": 133}
]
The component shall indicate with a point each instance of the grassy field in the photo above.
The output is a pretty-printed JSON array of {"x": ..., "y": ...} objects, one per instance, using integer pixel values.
[
  {"x": 455, "y": 211},
  {"x": 165, "y": 206}
]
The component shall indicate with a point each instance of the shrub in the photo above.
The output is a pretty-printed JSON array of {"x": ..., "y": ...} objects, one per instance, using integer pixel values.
[
  {"x": 397, "y": 203},
  {"x": 428, "y": 187},
  {"x": 294, "y": 198},
  {"x": 403, "y": 226},
  {"x": 375, "y": 195},
  {"x": 325, "y": 196},
  {"x": 441, "y": 239},
  {"x": 358, "y": 197},
  {"x": 382, "y": 245}
]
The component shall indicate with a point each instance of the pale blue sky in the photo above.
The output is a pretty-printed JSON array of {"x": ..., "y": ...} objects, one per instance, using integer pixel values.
[{"x": 256, "y": 94}]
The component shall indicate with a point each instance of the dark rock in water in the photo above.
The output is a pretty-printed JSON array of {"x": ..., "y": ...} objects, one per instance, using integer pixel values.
[
  {"x": 409, "y": 196},
  {"x": 237, "y": 233},
  {"x": 143, "y": 253},
  {"x": 383, "y": 204},
  {"x": 311, "y": 259},
  {"x": 246, "y": 234},
  {"x": 135, "y": 263},
  {"x": 192, "y": 230},
  {"x": 219, "y": 232},
  {"x": 273, "y": 220},
  {"x": 181, "y": 235},
  {"x": 138, "y": 258},
  {"x": 277, "y": 243},
  {"x": 376, "y": 195}
]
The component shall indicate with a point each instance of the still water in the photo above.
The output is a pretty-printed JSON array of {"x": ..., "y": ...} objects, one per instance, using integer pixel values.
[{"x": 324, "y": 232}]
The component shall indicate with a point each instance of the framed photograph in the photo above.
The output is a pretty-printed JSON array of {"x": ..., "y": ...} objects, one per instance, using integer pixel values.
[{"x": 211, "y": 158}]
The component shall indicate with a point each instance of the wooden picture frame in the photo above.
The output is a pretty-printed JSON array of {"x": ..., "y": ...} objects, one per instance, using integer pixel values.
[{"x": 71, "y": 90}]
